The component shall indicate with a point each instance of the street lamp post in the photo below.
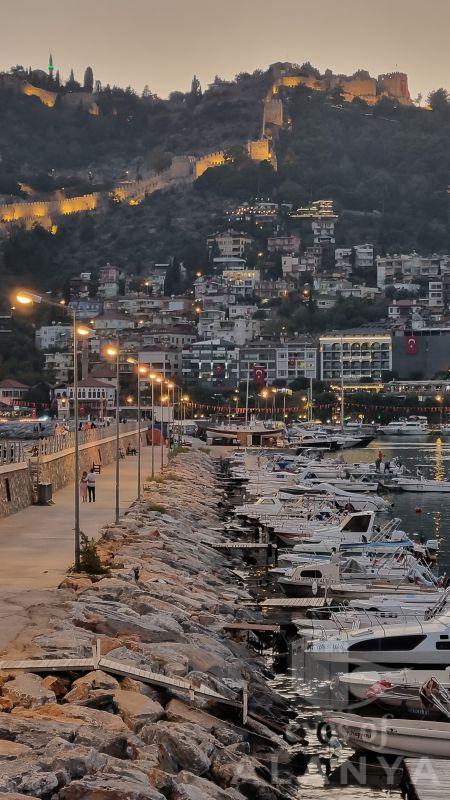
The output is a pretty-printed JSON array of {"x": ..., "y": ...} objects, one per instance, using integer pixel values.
[
  {"x": 153, "y": 377},
  {"x": 274, "y": 393},
  {"x": 114, "y": 351},
  {"x": 27, "y": 298},
  {"x": 440, "y": 400},
  {"x": 141, "y": 371}
]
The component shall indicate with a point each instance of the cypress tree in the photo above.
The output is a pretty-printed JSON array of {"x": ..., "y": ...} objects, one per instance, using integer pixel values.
[{"x": 88, "y": 83}]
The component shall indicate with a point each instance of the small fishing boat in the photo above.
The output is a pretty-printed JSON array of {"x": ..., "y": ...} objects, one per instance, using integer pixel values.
[{"x": 404, "y": 737}]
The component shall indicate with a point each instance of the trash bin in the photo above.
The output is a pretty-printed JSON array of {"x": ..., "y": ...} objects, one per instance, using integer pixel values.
[{"x": 44, "y": 493}]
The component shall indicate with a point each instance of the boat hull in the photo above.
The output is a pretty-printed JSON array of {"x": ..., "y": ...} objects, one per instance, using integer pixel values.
[{"x": 410, "y": 738}]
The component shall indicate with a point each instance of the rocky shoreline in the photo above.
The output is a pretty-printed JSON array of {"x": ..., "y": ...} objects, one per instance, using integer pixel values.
[{"x": 162, "y": 608}]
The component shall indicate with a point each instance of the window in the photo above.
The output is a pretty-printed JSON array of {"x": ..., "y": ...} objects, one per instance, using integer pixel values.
[
  {"x": 388, "y": 643},
  {"x": 8, "y": 490},
  {"x": 311, "y": 573}
]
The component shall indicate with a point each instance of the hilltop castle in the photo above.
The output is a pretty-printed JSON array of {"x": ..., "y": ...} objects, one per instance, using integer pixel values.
[{"x": 361, "y": 85}]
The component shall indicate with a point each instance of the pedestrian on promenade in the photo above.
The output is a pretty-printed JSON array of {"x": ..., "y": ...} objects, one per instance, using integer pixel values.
[
  {"x": 91, "y": 478},
  {"x": 84, "y": 487}
]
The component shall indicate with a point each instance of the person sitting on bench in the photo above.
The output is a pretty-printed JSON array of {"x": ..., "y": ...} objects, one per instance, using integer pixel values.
[{"x": 131, "y": 451}]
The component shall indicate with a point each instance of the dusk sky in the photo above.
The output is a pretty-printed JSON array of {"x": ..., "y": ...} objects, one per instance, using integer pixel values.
[{"x": 163, "y": 44}]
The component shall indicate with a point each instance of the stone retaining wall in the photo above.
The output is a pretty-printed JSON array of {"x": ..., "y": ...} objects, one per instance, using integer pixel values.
[
  {"x": 16, "y": 489},
  {"x": 59, "y": 468},
  {"x": 16, "y": 480}
]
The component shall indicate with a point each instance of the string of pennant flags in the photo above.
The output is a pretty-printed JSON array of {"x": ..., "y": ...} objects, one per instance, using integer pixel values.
[{"x": 319, "y": 406}]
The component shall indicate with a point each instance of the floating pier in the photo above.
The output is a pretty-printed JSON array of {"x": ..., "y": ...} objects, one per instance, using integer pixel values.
[{"x": 427, "y": 778}]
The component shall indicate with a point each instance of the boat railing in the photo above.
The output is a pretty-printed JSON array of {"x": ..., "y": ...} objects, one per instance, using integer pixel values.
[{"x": 364, "y": 620}]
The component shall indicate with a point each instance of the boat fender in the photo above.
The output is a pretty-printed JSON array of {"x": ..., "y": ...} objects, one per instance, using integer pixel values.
[{"x": 324, "y": 732}]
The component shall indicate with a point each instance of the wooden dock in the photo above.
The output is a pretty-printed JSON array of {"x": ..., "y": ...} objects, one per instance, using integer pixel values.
[
  {"x": 252, "y": 627},
  {"x": 243, "y": 546},
  {"x": 294, "y": 602},
  {"x": 427, "y": 778}
]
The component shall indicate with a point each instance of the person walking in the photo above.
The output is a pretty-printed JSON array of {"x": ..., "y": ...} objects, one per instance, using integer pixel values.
[
  {"x": 84, "y": 487},
  {"x": 91, "y": 478}
]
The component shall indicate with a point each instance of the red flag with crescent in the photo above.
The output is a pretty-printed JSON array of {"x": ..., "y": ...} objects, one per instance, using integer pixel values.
[
  {"x": 411, "y": 345},
  {"x": 259, "y": 375}
]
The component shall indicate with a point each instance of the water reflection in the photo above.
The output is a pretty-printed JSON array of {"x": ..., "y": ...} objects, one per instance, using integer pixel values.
[{"x": 425, "y": 514}]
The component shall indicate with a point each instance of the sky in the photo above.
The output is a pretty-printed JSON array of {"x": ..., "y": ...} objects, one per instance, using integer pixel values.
[{"x": 162, "y": 44}]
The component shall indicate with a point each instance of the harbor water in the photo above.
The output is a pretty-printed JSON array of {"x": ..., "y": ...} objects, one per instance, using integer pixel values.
[{"x": 331, "y": 771}]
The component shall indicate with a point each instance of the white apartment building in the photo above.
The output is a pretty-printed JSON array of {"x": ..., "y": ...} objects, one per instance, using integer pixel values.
[
  {"x": 296, "y": 360},
  {"x": 242, "y": 281},
  {"x": 60, "y": 364},
  {"x": 355, "y": 355},
  {"x": 343, "y": 257},
  {"x": 163, "y": 360},
  {"x": 394, "y": 268},
  {"x": 242, "y": 310},
  {"x": 323, "y": 230},
  {"x": 363, "y": 256},
  {"x": 58, "y": 336},
  {"x": 286, "y": 361},
  {"x": 230, "y": 243}
]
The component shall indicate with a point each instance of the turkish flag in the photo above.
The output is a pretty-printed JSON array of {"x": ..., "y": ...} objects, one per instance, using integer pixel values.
[
  {"x": 411, "y": 345},
  {"x": 259, "y": 376},
  {"x": 219, "y": 369}
]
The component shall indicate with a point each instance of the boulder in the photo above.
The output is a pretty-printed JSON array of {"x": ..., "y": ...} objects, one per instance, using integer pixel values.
[
  {"x": 131, "y": 685},
  {"x": 57, "y": 685},
  {"x": 104, "y": 787},
  {"x": 97, "y": 680},
  {"x": 177, "y": 711},
  {"x": 15, "y": 796},
  {"x": 85, "y": 726},
  {"x": 137, "y": 710},
  {"x": 75, "y": 759},
  {"x": 76, "y": 583},
  {"x": 182, "y": 746},
  {"x": 191, "y": 787},
  {"x": 9, "y": 750},
  {"x": 28, "y": 690}
]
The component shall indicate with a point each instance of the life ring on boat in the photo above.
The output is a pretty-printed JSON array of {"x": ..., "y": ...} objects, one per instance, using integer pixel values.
[{"x": 324, "y": 732}]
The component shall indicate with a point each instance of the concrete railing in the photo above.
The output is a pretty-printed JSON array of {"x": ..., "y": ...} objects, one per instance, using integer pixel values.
[
  {"x": 11, "y": 452},
  {"x": 66, "y": 441}
]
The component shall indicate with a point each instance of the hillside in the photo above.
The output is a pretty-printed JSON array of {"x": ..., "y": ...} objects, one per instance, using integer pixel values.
[
  {"x": 385, "y": 166},
  {"x": 45, "y": 147}
]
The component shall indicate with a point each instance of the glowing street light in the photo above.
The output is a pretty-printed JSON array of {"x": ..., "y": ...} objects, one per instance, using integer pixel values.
[
  {"x": 114, "y": 352},
  {"x": 26, "y": 298}
]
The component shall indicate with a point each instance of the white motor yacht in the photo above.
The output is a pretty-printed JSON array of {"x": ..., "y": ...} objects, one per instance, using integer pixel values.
[
  {"x": 413, "y": 426},
  {"x": 420, "y": 644}
]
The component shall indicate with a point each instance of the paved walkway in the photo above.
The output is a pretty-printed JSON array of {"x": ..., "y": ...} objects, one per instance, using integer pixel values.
[{"x": 37, "y": 544}]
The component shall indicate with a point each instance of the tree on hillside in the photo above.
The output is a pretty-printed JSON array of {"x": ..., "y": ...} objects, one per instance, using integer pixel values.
[
  {"x": 172, "y": 282},
  {"x": 196, "y": 92},
  {"x": 88, "y": 83},
  {"x": 72, "y": 85},
  {"x": 438, "y": 99}
]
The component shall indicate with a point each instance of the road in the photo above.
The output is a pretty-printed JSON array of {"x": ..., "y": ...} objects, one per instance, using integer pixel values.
[{"x": 37, "y": 544}]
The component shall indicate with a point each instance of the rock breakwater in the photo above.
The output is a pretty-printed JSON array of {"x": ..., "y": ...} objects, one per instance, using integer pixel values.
[{"x": 106, "y": 734}]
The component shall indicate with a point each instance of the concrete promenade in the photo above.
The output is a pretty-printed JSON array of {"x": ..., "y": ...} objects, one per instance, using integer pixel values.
[{"x": 37, "y": 544}]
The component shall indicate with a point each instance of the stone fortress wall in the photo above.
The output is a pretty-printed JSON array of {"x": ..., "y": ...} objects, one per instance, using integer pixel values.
[{"x": 186, "y": 169}]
